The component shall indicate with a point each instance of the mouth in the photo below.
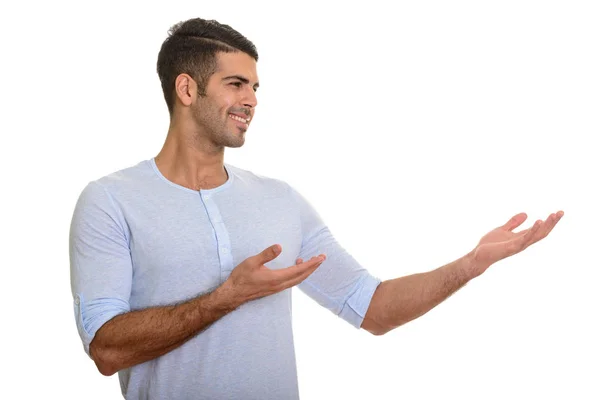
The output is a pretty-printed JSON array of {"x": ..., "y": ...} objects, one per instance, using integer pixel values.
[{"x": 243, "y": 122}]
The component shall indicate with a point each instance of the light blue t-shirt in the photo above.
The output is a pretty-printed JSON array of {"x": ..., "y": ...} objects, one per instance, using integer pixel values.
[{"x": 139, "y": 240}]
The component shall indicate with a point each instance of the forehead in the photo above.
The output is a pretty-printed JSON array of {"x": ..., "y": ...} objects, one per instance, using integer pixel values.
[{"x": 238, "y": 63}]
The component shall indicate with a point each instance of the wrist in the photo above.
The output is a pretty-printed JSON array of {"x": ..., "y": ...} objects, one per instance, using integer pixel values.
[
  {"x": 225, "y": 297},
  {"x": 472, "y": 266}
]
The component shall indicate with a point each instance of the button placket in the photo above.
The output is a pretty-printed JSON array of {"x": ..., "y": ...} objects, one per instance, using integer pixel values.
[{"x": 221, "y": 234}]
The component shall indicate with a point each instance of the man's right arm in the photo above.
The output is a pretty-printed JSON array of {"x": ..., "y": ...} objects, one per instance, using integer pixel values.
[
  {"x": 138, "y": 336},
  {"x": 101, "y": 279},
  {"x": 142, "y": 335}
]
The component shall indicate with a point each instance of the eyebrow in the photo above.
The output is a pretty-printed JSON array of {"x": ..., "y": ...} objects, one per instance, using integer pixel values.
[{"x": 241, "y": 78}]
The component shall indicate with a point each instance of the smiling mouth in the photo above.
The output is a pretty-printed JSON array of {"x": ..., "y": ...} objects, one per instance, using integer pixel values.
[{"x": 240, "y": 119}]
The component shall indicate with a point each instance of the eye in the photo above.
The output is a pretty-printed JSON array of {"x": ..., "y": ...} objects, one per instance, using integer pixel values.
[{"x": 237, "y": 84}]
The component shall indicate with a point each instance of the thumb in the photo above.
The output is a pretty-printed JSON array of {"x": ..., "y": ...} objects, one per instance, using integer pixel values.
[
  {"x": 268, "y": 254},
  {"x": 515, "y": 222}
]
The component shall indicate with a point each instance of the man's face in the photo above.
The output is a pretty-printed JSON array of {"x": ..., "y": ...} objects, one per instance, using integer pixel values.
[{"x": 224, "y": 114}]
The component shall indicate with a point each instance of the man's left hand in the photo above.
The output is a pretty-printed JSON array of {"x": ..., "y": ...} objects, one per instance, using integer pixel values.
[{"x": 502, "y": 242}]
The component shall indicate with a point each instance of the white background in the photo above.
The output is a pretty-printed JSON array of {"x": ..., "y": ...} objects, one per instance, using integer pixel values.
[{"x": 413, "y": 131}]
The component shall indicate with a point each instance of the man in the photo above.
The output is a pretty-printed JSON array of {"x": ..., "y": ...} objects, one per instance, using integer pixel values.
[{"x": 181, "y": 265}]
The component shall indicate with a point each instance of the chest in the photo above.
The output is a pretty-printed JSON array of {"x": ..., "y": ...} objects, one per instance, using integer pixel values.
[{"x": 182, "y": 250}]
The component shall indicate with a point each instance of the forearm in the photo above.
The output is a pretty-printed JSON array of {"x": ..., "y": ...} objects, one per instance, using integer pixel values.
[
  {"x": 139, "y": 336},
  {"x": 398, "y": 301}
]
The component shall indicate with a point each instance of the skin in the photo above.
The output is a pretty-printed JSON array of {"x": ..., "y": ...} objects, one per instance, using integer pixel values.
[
  {"x": 200, "y": 128},
  {"x": 398, "y": 301},
  {"x": 193, "y": 156}
]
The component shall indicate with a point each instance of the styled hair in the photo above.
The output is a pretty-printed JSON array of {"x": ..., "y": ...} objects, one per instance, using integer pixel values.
[{"x": 191, "y": 48}]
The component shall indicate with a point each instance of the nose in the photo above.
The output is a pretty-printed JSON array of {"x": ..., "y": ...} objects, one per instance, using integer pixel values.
[{"x": 250, "y": 99}]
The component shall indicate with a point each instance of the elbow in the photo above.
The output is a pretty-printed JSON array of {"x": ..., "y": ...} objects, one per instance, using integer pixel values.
[
  {"x": 375, "y": 328},
  {"x": 103, "y": 360},
  {"x": 375, "y": 322},
  {"x": 379, "y": 331},
  {"x": 106, "y": 369}
]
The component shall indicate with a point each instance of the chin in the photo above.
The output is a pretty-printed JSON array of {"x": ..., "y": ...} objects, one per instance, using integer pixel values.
[
  {"x": 236, "y": 141},
  {"x": 234, "y": 145}
]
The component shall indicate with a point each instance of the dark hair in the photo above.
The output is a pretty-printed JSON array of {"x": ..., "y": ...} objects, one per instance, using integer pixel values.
[{"x": 192, "y": 48}]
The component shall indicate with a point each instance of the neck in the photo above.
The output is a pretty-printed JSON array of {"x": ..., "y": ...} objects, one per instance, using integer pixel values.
[{"x": 190, "y": 161}]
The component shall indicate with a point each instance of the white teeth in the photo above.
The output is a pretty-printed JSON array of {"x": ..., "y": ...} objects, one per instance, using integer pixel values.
[{"x": 244, "y": 120}]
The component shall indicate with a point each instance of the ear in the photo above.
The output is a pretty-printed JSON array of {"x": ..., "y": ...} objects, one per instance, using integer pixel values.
[{"x": 186, "y": 89}]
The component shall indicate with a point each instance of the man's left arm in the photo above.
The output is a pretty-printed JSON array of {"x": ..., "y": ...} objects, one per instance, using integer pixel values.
[
  {"x": 398, "y": 301},
  {"x": 345, "y": 287}
]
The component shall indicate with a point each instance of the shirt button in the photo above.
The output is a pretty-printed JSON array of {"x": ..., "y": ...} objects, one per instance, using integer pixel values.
[
  {"x": 206, "y": 196},
  {"x": 224, "y": 249},
  {"x": 77, "y": 300}
]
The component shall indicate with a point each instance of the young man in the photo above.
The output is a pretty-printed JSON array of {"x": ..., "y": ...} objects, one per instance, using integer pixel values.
[{"x": 181, "y": 265}]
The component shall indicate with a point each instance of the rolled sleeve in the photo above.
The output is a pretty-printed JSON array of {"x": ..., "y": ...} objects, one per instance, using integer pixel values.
[
  {"x": 100, "y": 262},
  {"x": 340, "y": 284},
  {"x": 90, "y": 316},
  {"x": 356, "y": 306}
]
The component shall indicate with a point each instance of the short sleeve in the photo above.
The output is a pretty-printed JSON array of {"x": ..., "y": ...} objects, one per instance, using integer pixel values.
[
  {"x": 100, "y": 261},
  {"x": 340, "y": 284}
]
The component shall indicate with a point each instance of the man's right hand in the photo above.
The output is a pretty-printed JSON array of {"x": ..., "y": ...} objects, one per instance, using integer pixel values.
[{"x": 251, "y": 279}]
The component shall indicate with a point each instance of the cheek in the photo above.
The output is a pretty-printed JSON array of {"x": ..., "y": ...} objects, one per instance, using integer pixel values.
[{"x": 227, "y": 103}]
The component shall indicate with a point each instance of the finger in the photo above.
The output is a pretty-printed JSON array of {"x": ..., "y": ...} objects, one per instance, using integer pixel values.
[
  {"x": 528, "y": 238},
  {"x": 299, "y": 261},
  {"x": 268, "y": 254},
  {"x": 285, "y": 274},
  {"x": 300, "y": 278},
  {"x": 548, "y": 225},
  {"x": 514, "y": 222},
  {"x": 526, "y": 231}
]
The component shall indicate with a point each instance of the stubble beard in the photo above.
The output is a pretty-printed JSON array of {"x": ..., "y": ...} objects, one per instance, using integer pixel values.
[{"x": 214, "y": 129}]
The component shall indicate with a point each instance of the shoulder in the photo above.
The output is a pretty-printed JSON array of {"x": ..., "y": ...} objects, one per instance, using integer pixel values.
[
  {"x": 101, "y": 189},
  {"x": 126, "y": 177},
  {"x": 261, "y": 182}
]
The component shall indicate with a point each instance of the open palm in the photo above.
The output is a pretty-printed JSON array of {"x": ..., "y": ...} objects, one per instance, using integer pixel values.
[{"x": 502, "y": 242}]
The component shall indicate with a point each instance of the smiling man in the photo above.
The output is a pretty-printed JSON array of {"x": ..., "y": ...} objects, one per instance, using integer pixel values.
[{"x": 182, "y": 265}]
